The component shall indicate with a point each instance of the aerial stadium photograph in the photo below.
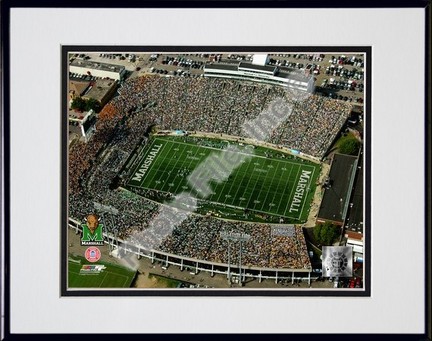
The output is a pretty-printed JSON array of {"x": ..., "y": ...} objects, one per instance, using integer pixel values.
[{"x": 201, "y": 170}]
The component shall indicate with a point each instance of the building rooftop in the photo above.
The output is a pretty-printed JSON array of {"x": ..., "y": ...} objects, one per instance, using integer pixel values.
[
  {"x": 261, "y": 68},
  {"x": 287, "y": 73},
  {"x": 100, "y": 88},
  {"x": 293, "y": 74},
  {"x": 229, "y": 61},
  {"x": 230, "y": 67},
  {"x": 97, "y": 65},
  {"x": 78, "y": 88},
  {"x": 334, "y": 203},
  {"x": 354, "y": 235},
  {"x": 355, "y": 213},
  {"x": 76, "y": 115},
  {"x": 259, "y": 59}
]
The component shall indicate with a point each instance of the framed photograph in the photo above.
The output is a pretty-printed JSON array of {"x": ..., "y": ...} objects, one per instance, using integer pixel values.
[
  {"x": 205, "y": 170},
  {"x": 166, "y": 159}
]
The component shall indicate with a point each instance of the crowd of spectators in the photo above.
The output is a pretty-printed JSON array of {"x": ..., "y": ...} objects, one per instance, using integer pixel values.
[
  {"x": 315, "y": 121},
  {"x": 223, "y": 106},
  {"x": 193, "y": 104},
  {"x": 199, "y": 237}
]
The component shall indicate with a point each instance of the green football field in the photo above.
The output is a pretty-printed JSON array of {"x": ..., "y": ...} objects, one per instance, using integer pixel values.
[
  {"x": 113, "y": 276},
  {"x": 262, "y": 181}
]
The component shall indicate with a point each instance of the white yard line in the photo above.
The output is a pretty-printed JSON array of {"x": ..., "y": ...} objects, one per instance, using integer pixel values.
[
  {"x": 152, "y": 169},
  {"x": 247, "y": 186},
  {"x": 278, "y": 193},
  {"x": 294, "y": 186},
  {"x": 257, "y": 195},
  {"x": 238, "y": 187},
  {"x": 271, "y": 184},
  {"x": 179, "y": 159},
  {"x": 197, "y": 151}
]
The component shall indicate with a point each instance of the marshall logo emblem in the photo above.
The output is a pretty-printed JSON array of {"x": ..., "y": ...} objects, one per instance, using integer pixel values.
[
  {"x": 92, "y": 231},
  {"x": 337, "y": 261}
]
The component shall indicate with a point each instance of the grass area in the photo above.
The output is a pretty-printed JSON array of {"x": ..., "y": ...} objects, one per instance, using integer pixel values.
[
  {"x": 113, "y": 276},
  {"x": 343, "y": 139},
  {"x": 264, "y": 184}
]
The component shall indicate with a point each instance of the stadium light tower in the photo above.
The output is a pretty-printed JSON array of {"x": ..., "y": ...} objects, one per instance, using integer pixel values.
[
  {"x": 237, "y": 237},
  {"x": 224, "y": 236}
]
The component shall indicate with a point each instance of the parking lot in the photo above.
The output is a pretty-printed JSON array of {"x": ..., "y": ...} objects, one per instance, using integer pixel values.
[{"x": 337, "y": 76}]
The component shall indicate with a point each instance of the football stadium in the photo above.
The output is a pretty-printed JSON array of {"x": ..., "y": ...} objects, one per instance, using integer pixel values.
[{"x": 163, "y": 137}]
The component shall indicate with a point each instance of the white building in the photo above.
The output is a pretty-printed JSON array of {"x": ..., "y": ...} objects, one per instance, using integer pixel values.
[
  {"x": 97, "y": 69},
  {"x": 355, "y": 240},
  {"x": 260, "y": 59},
  {"x": 83, "y": 124},
  {"x": 290, "y": 78}
]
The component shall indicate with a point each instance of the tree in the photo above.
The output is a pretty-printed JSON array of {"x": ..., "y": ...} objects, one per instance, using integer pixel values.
[
  {"x": 349, "y": 146},
  {"x": 317, "y": 232},
  {"x": 328, "y": 233},
  {"x": 92, "y": 104},
  {"x": 81, "y": 104},
  {"x": 325, "y": 234},
  {"x": 78, "y": 104}
]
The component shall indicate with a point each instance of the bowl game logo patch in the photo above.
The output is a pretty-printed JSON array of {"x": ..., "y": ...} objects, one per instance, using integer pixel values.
[{"x": 92, "y": 254}]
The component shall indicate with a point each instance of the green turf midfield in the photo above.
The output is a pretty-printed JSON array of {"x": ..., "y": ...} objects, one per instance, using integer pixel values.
[
  {"x": 266, "y": 185},
  {"x": 113, "y": 276}
]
